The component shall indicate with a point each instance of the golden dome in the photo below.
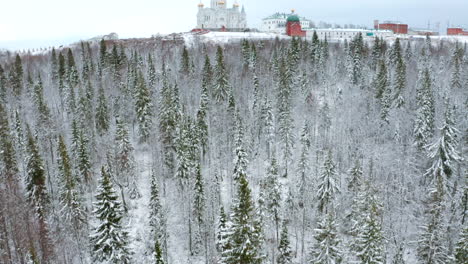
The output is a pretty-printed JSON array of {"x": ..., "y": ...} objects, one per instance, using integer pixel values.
[
  {"x": 236, "y": 5},
  {"x": 293, "y": 10},
  {"x": 221, "y": 3},
  {"x": 201, "y": 5}
]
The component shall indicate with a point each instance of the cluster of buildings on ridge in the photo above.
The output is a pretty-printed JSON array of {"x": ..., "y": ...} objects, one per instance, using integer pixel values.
[{"x": 220, "y": 17}]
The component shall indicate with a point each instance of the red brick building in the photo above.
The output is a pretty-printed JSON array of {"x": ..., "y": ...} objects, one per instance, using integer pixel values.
[
  {"x": 397, "y": 28},
  {"x": 293, "y": 27},
  {"x": 457, "y": 31}
]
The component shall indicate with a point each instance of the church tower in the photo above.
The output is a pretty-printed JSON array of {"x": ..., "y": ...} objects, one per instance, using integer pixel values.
[{"x": 221, "y": 4}]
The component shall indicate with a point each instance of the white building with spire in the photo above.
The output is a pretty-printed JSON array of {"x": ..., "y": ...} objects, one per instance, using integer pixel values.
[{"x": 220, "y": 17}]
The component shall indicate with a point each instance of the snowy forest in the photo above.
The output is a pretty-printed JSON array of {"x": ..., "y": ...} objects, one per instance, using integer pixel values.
[{"x": 273, "y": 151}]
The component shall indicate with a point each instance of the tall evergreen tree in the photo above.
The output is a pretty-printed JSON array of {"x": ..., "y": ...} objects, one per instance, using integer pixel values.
[
  {"x": 36, "y": 177},
  {"x": 109, "y": 240},
  {"x": 285, "y": 254},
  {"x": 327, "y": 185},
  {"x": 424, "y": 124},
  {"x": 245, "y": 237},
  {"x": 72, "y": 209},
  {"x": 221, "y": 82},
  {"x": 143, "y": 107},
  {"x": 102, "y": 112},
  {"x": 326, "y": 249}
]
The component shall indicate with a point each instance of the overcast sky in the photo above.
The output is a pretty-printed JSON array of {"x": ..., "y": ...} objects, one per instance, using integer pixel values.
[{"x": 41, "y": 23}]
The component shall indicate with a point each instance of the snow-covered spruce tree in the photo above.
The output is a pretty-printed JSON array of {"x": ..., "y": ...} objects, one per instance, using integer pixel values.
[
  {"x": 221, "y": 82},
  {"x": 36, "y": 177},
  {"x": 183, "y": 151},
  {"x": 3, "y": 84},
  {"x": 327, "y": 185},
  {"x": 72, "y": 209},
  {"x": 151, "y": 73},
  {"x": 223, "y": 231},
  {"x": 125, "y": 159},
  {"x": 245, "y": 236},
  {"x": 109, "y": 240},
  {"x": 355, "y": 59},
  {"x": 355, "y": 179},
  {"x": 16, "y": 76},
  {"x": 271, "y": 188},
  {"x": 431, "y": 248},
  {"x": 385, "y": 104},
  {"x": 202, "y": 122},
  {"x": 245, "y": 48},
  {"x": 381, "y": 81},
  {"x": 457, "y": 57},
  {"x": 169, "y": 115},
  {"x": 9, "y": 165},
  {"x": 102, "y": 112},
  {"x": 143, "y": 107},
  {"x": 461, "y": 251},
  {"x": 400, "y": 82},
  {"x": 268, "y": 122},
  {"x": 157, "y": 220},
  {"x": 185, "y": 61},
  {"x": 395, "y": 52},
  {"x": 443, "y": 152},
  {"x": 424, "y": 124},
  {"x": 370, "y": 241},
  {"x": 83, "y": 158},
  {"x": 43, "y": 111},
  {"x": 158, "y": 256},
  {"x": 285, "y": 254},
  {"x": 326, "y": 248},
  {"x": 285, "y": 119},
  {"x": 240, "y": 159},
  {"x": 198, "y": 210}
]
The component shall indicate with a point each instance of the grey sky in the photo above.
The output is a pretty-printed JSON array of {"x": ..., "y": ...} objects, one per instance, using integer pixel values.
[{"x": 40, "y": 23}]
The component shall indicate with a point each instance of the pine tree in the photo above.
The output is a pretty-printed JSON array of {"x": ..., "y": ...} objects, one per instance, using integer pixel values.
[
  {"x": 36, "y": 177},
  {"x": 285, "y": 254},
  {"x": 109, "y": 240},
  {"x": 42, "y": 108},
  {"x": 102, "y": 113},
  {"x": 221, "y": 82},
  {"x": 143, "y": 107},
  {"x": 326, "y": 249},
  {"x": 9, "y": 168},
  {"x": 245, "y": 237},
  {"x": 72, "y": 209},
  {"x": 327, "y": 185}
]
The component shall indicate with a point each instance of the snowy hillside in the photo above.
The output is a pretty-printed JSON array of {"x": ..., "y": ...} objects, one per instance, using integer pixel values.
[{"x": 236, "y": 148}]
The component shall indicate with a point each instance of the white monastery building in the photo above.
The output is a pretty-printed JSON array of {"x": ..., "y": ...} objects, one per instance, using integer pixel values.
[
  {"x": 220, "y": 17},
  {"x": 277, "y": 23}
]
